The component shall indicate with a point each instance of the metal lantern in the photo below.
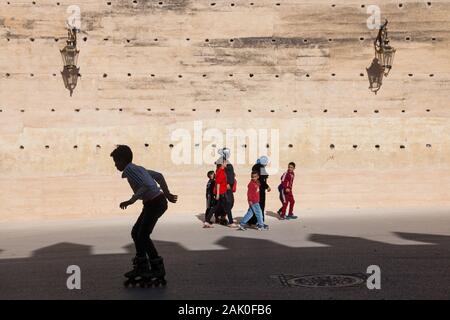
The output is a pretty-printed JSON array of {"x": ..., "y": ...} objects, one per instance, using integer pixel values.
[
  {"x": 70, "y": 77},
  {"x": 388, "y": 57},
  {"x": 70, "y": 52},
  {"x": 69, "y": 56},
  {"x": 375, "y": 73},
  {"x": 383, "y": 51}
]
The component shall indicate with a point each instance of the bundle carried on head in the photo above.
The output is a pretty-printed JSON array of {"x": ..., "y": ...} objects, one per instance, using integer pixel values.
[
  {"x": 225, "y": 153},
  {"x": 263, "y": 161}
]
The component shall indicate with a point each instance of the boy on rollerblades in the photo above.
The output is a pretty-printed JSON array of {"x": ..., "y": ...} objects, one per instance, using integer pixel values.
[{"x": 144, "y": 184}]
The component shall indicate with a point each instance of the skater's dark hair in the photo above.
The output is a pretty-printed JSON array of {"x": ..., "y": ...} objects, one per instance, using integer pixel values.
[
  {"x": 123, "y": 153},
  {"x": 255, "y": 172},
  {"x": 292, "y": 164},
  {"x": 210, "y": 173}
]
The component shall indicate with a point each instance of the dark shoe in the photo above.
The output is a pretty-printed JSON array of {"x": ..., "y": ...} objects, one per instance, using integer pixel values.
[
  {"x": 291, "y": 217},
  {"x": 280, "y": 214},
  {"x": 263, "y": 228},
  {"x": 222, "y": 221}
]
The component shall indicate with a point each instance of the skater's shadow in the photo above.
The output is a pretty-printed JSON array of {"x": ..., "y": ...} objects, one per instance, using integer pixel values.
[
  {"x": 191, "y": 273},
  {"x": 71, "y": 250}
]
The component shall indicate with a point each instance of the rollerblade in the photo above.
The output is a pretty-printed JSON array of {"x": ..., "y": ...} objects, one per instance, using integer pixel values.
[
  {"x": 137, "y": 275},
  {"x": 157, "y": 273}
]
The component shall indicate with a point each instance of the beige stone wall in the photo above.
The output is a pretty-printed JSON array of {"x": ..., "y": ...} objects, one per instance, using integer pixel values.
[{"x": 148, "y": 69}]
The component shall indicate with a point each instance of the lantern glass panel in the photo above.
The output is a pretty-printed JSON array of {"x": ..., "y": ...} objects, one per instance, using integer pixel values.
[
  {"x": 379, "y": 56},
  {"x": 70, "y": 77},
  {"x": 69, "y": 56},
  {"x": 388, "y": 53}
]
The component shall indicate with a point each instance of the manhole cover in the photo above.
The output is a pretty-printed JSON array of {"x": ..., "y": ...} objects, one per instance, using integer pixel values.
[{"x": 322, "y": 280}]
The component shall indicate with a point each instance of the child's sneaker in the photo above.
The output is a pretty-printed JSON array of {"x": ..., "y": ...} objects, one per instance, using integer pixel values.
[
  {"x": 281, "y": 215},
  {"x": 263, "y": 228},
  {"x": 291, "y": 217},
  {"x": 241, "y": 227}
]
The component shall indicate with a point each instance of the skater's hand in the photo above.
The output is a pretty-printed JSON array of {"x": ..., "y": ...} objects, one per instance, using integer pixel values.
[
  {"x": 228, "y": 187},
  {"x": 172, "y": 197},
  {"x": 268, "y": 189},
  {"x": 125, "y": 204},
  {"x": 288, "y": 190},
  {"x": 217, "y": 197}
]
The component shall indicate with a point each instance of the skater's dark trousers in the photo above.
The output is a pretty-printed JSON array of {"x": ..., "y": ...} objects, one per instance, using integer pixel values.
[{"x": 152, "y": 211}]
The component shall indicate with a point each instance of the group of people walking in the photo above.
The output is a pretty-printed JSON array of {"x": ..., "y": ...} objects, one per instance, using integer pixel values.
[
  {"x": 222, "y": 184},
  {"x": 151, "y": 187}
]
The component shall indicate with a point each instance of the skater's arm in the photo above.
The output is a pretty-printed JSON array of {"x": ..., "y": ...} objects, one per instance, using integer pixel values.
[
  {"x": 159, "y": 178},
  {"x": 136, "y": 196}
]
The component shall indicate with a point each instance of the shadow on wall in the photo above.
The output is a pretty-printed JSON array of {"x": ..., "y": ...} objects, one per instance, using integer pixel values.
[{"x": 247, "y": 269}]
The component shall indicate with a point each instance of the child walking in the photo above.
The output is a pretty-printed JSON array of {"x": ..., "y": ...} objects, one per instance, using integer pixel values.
[
  {"x": 144, "y": 184},
  {"x": 286, "y": 194},
  {"x": 260, "y": 167},
  {"x": 253, "y": 202}
]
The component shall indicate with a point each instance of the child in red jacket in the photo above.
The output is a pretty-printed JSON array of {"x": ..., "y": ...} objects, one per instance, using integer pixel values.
[
  {"x": 286, "y": 194},
  {"x": 253, "y": 202}
]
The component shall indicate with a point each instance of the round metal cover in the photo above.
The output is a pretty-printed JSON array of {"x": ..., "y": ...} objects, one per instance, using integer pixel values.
[{"x": 326, "y": 280}]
